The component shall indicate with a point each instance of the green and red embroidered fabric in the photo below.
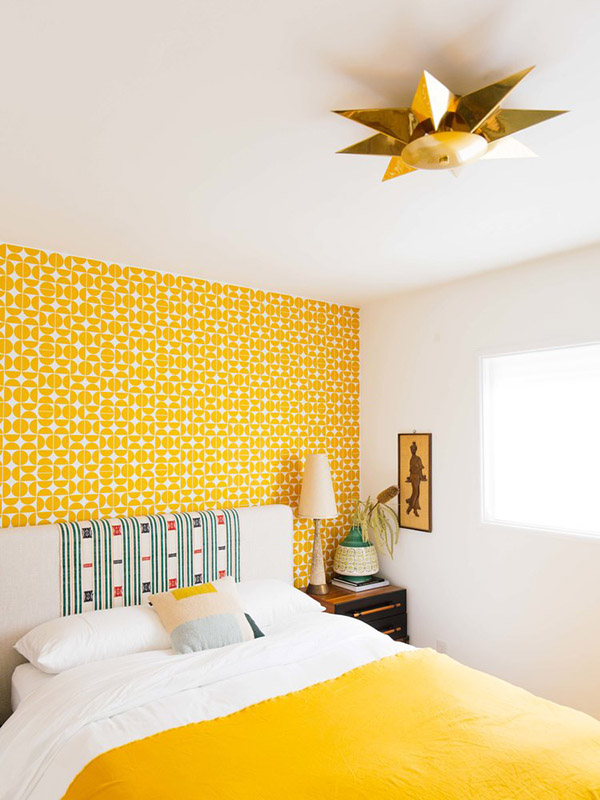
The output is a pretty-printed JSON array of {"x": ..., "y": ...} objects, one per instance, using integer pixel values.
[{"x": 121, "y": 562}]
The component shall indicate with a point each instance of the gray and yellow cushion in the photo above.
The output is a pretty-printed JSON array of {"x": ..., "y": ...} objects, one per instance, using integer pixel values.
[{"x": 203, "y": 617}]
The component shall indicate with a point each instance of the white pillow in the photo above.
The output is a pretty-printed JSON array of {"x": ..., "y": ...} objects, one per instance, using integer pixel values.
[
  {"x": 271, "y": 602},
  {"x": 67, "y": 642}
]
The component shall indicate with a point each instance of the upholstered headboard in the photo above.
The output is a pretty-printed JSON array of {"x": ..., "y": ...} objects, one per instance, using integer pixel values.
[{"x": 41, "y": 567}]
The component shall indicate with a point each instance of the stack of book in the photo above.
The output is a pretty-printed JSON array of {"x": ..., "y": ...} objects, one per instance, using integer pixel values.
[{"x": 359, "y": 585}]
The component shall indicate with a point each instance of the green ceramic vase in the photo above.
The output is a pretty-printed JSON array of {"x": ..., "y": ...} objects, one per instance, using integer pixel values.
[{"x": 354, "y": 558}]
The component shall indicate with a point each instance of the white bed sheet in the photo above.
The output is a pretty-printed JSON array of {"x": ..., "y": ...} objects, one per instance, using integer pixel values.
[
  {"x": 25, "y": 679},
  {"x": 90, "y": 709}
]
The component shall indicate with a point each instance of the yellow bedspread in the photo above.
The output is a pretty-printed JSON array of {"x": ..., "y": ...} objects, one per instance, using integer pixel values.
[{"x": 414, "y": 725}]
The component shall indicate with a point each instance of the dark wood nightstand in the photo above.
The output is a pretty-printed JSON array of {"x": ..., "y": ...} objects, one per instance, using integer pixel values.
[{"x": 384, "y": 608}]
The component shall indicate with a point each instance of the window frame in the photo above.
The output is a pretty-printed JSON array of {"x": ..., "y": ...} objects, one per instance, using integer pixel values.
[{"x": 491, "y": 523}]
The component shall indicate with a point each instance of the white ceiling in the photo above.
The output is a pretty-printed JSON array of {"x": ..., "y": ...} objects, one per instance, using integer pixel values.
[{"x": 194, "y": 136}]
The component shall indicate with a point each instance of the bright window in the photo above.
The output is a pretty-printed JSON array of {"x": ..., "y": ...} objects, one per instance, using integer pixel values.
[{"x": 541, "y": 439}]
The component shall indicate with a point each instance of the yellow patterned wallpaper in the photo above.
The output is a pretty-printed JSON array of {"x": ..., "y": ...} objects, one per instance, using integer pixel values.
[{"x": 128, "y": 391}]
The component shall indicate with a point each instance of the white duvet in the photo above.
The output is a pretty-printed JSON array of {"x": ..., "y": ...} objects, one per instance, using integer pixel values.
[{"x": 85, "y": 711}]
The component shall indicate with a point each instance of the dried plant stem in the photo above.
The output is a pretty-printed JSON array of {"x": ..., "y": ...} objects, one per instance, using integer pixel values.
[{"x": 378, "y": 520}]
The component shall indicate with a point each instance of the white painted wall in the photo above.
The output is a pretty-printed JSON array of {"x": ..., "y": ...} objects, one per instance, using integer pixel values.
[{"x": 520, "y": 604}]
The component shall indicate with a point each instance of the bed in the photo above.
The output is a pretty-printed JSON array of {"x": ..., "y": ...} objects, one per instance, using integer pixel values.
[
  {"x": 26, "y": 679},
  {"x": 320, "y": 703}
]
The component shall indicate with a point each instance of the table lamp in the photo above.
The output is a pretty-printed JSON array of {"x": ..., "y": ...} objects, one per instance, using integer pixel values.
[{"x": 317, "y": 502}]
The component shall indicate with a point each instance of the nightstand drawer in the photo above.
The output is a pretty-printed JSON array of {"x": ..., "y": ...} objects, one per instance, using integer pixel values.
[
  {"x": 394, "y": 626},
  {"x": 372, "y": 608}
]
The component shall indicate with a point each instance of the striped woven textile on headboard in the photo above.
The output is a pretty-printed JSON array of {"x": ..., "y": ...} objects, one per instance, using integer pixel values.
[{"x": 120, "y": 562}]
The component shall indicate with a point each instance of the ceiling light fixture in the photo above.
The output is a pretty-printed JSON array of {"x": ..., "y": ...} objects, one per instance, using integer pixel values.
[{"x": 442, "y": 130}]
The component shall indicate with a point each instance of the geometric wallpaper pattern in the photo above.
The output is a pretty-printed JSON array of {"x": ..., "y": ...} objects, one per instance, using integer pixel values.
[{"x": 127, "y": 391}]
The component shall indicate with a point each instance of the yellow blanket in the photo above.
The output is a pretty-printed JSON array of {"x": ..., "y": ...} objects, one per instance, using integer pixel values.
[{"x": 412, "y": 726}]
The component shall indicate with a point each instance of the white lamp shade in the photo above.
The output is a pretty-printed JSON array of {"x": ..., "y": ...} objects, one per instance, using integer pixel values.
[{"x": 317, "y": 500}]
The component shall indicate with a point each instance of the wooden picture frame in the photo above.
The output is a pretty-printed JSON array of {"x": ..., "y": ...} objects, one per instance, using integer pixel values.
[{"x": 414, "y": 481}]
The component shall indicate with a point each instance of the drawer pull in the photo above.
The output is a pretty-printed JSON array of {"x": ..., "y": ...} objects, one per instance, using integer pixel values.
[
  {"x": 374, "y": 610},
  {"x": 392, "y": 630}
]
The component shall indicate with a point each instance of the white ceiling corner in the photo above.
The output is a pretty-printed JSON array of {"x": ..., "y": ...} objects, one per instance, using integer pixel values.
[{"x": 195, "y": 137}]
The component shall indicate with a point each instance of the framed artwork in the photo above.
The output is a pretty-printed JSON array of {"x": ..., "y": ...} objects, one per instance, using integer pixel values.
[{"x": 414, "y": 481}]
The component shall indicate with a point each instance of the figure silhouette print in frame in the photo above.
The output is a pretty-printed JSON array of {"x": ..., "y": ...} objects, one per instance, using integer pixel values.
[{"x": 414, "y": 481}]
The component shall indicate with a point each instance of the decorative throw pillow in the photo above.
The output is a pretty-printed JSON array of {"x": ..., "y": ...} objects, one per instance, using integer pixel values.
[{"x": 203, "y": 617}]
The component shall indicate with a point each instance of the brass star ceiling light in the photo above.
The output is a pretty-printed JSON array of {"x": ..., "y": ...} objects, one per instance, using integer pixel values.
[{"x": 442, "y": 130}]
